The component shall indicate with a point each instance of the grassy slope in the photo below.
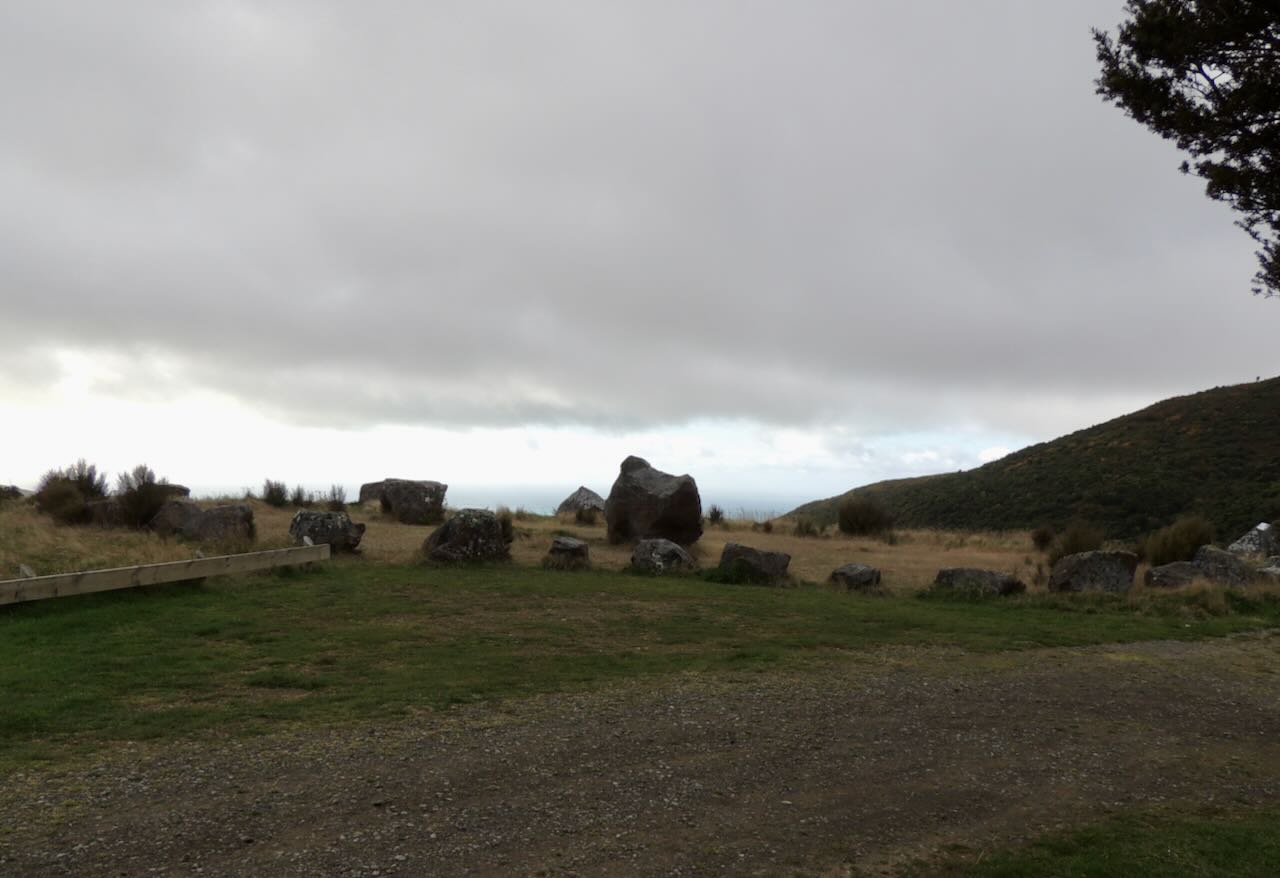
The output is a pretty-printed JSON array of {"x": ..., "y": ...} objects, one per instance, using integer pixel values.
[
  {"x": 1216, "y": 453},
  {"x": 355, "y": 641}
]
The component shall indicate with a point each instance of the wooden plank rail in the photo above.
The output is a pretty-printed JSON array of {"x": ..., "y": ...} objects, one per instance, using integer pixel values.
[{"x": 39, "y": 588}]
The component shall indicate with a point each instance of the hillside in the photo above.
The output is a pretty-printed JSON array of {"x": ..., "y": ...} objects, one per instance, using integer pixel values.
[{"x": 1216, "y": 453}]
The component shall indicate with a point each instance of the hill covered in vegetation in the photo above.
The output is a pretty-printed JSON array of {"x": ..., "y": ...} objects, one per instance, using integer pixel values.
[{"x": 1215, "y": 453}]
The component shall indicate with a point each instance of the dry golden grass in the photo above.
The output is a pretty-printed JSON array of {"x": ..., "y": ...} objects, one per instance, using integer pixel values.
[{"x": 908, "y": 565}]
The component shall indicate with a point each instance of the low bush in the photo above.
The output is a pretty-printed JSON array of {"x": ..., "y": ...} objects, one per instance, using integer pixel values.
[
  {"x": 1042, "y": 538},
  {"x": 862, "y": 516},
  {"x": 806, "y": 528},
  {"x": 337, "y": 500},
  {"x": 65, "y": 493},
  {"x": 1177, "y": 542},
  {"x": 506, "y": 521},
  {"x": 715, "y": 515},
  {"x": 587, "y": 515},
  {"x": 301, "y": 498},
  {"x": 140, "y": 494},
  {"x": 1079, "y": 536},
  {"x": 767, "y": 526},
  {"x": 275, "y": 493}
]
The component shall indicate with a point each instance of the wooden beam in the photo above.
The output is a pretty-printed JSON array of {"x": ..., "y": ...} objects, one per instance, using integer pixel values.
[{"x": 59, "y": 585}]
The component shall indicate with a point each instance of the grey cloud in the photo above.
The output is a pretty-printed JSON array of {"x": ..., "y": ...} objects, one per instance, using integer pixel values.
[{"x": 892, "y": 215}]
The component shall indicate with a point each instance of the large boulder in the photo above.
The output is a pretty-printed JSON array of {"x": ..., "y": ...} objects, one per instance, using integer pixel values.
[
  {"x": 856, "y": 577},
  {"x": 661, "y": 556},
  {"x": 219, "y": 524},
  {"x": 1223, "y": 567},
  {"x": 470, "y": 535},
  {"x": 583, "y": 498},
  {"x": 567, "y": 553},
  {"x": 1174, "y": 575},
  {"x": 370, "y": 492},
  {"x": 413, "y": 502},
  {"x": 1261, "y": 542},
  {"x": 1094, "y": 571},
  {"x": 971, "y": 580},
  {"x": 646, "y": 503},
  {"x": 335, "y": 528},
  {"x": 740, "y": 563}
]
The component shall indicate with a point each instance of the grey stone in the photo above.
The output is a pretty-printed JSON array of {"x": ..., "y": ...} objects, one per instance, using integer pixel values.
[
  {"x": 975, "y": 581},
  {"x": 371, "y": 492},
  {"x": 311, "y": 527},
  {"x": 646, "y": 503},
  {"x": 568, "y": 553},
  {"x": 219, "y": 524},
  {"x": 173, "y": 517},
  {"x": 470, "y": 535},
  {"x": 1173, "y": 575},
  {"x": 1260, "y": 542},
  {"x": 661, "y": 556},
  {"x": 413, "y": 502},
  {"x": 856, "y": 577},
  {"x": 1223, "y": 567},
  {"x": 583, "y": 498},
  {"x": 746, "y": 564},
  {"x": 1094, "y": 571}
]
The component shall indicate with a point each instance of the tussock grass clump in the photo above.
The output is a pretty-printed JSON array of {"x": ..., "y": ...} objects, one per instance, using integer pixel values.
[
  {"x": 506, "y": 521},
  {"x": 806, "y": 528},
  {"x": 1079, "y": 536},
  {"x": 862, "y": 516},
  {"x": 301, "y": 498},
  {"x": 1177, "y": 542},
  {"x": 140, "y": 494},
  {"x": 275, "y": 493},
  {"x": 715, "y": 515},
  {"x": 337, "y": 499},
  {"x": 1042, "y": 538},
  {"x": 587, "y": 515}
]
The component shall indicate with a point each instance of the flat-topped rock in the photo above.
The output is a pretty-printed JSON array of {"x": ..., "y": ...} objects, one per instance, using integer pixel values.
[
  {"x": 856, "y": 577},
  {"x": 567, "y": 553},
  {"x": 659, "y": 557},
  {"x": 747, "y": 564},
  {"x": 413, "y": 502},
  {"x": 972, "y": 580},
  {"x": 1224, "y": 567},
  {"x": 1094, "y": 571},
  {"x": 470, "y": 535}
]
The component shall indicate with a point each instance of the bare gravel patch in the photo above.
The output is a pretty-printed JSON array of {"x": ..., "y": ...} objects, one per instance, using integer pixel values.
[{"x": 845, "y": 770}]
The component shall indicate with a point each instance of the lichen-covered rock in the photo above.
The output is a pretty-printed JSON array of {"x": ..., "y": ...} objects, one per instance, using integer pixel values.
[
  {"x": 1223, "y": 567},
  {"x": 971, "y": 580},
  {"x": 646, "y": 503},
  {"x": 661, "y": 556},
  {"x": 470, "y": 535},
  {"x": 583, "y": 498},
  {"x": 1094, "y": 571},
  {"x": 414, "y": 502},
  {"x": 740, "y": 563},
  {"x": 567, "y": 553},
  {"x": 335, "y": 528},
  {"x": 1261, "y": 542},
  {"x": 1174, "y": 575},
  {"x": 219, "y": 524},
  {"x": 856, "y": 577}
]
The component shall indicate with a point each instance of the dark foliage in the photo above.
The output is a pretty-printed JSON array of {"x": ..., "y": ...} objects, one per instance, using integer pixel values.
[
  {"x": 337, "y": 500},
  {"x": 1079, "y": 536},
  {"x": 715, "y": 515},
  {"x": 506, "y": 521},
  {"x": 275, "y": 493},
  {"x": 806, "y": 528},
  {"x": 587, "y": 515},
  {"x": 65, "y": 493},
  {"x": 1177, "y": 542},
  {"x": 140, "y": 495},
  {"x": 1205, "y": 74},
  {"x": 767, "y": 527},
  {"x": 1214, "y": 454},
  {"x": 301, "y": 498},
  {"x": 863, "y": 516},
  {"x": 1042, "y": 537}
]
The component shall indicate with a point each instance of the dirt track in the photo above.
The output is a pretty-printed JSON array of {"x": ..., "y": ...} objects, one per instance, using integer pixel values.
[{"x": 848, "y": 770}]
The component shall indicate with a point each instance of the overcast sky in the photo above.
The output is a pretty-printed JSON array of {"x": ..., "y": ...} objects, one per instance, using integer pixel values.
[{"x": 788, "y": 247}]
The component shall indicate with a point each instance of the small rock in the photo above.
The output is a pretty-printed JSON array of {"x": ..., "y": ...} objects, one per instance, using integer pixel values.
[
  {"x": 746, "y": 564},
  {"x": 856, "y": 577},
  {"x": 1174, "y": 575},
  {"x": 975, "y": 581},
  {"x": 310, "y": 527},
  {"x": 567, "y": 553},
  {"x": 661, "y": 556},
  {"x": 470, "y": 535}
]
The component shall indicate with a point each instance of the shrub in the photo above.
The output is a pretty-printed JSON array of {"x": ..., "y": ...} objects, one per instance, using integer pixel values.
[
  {"x": 140, "y": 495},
  {"x": 1079, "y": 536},
  {"x": 862, "y": 516},
  {"x": 806, "y": 528},
  {"x": 274, "y": 493},
  {"x": 522, "y": 514},
  {"x": 1177, "y": 542},
  {"x": 65, "y": 493},
  {"x": 715, "y": 514},
  {"x": 767, "y": 526},
  {"x": 506, "y": 521},
  {"x": 337, "y": 500},
  {"x": 301, "y": 498},
  {"x": 588, "y": 515},
  {"x": 1042, "y": 537}
]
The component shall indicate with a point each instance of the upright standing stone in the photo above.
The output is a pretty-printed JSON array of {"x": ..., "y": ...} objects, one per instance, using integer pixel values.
[{"x": 646, "y": 503}]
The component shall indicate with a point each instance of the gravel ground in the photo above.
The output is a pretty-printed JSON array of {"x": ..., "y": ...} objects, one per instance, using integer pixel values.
[{"x": 848, "y": 769}]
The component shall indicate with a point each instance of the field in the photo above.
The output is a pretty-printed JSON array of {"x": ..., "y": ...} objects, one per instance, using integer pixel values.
[{"x": 375, "y": 716}]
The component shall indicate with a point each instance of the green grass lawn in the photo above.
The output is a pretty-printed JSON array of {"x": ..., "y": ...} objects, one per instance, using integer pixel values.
[
  {"x": 357, "y": 641},
  {"x": 1227, "y": 845}
]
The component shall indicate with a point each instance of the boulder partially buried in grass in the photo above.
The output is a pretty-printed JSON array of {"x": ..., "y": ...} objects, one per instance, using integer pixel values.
[
  {"x": 658, "y": 557},
  {"x": 1094, "y": 571},
  {"x": 1224, "y": 567},
  {"x": 567, "y": 553},
  {"x": 856, "y": 577},
  {"x": 470, "y": 535},
  {"x": 219, "y": 524},
  {"x": 1174, "y": 575},
  {"x": 744, "y": 564},
  {"x": 970, "y": 580},
  {"x": 335, "y": 528}
]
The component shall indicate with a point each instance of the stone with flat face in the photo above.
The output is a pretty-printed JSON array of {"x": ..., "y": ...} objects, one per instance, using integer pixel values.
[{"x": 646, "y": 503}]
